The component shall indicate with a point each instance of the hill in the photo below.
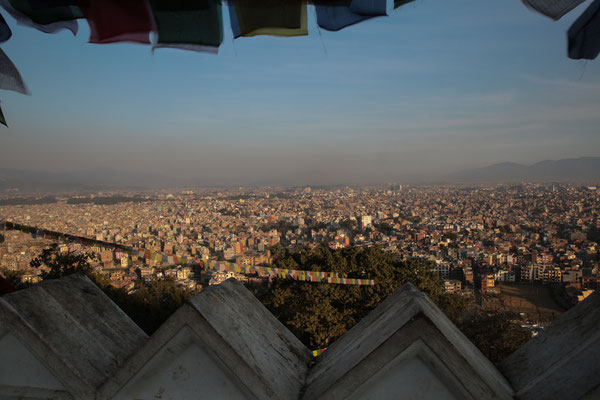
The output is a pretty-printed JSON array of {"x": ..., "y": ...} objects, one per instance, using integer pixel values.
[{"x": 574, "y": 170}]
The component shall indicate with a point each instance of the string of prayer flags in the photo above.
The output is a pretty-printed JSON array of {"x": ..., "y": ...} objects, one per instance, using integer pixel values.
[
  {"x": 187, "y": 24},
  {"x": 221, "y": 266},
  {"x": 554, "y": 9},
  {"x": 268, "y": 17},
  {"x": 584, "y": 34},
  {"x": 114, "y": 21},
  {"x": 318, "y": 352},
  {"x": 336, "y": 17},
  {"x": 5, "y": 32},
  {"x": 48, "y": 16},
  {"x": 299, "y": 275},
  {"x": 10, "y": 78}
]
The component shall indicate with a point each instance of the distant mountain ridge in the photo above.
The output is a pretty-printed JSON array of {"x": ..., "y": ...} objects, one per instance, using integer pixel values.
[
  {"x": 576, "y": 170},
  {"x": 585, "y": 170},
  {"x": 23, "y": 181}
]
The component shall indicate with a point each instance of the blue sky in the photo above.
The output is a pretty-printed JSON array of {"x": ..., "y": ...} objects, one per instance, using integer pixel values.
[{"x": 436, "y": 87}]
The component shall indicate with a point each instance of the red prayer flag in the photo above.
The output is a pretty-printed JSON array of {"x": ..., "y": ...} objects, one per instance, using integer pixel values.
[{"x": 114, "y": 21}]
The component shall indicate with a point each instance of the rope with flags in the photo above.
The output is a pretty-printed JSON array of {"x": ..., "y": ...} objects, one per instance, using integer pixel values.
[
  {"x": 318, "y": 352},
  {"x": 219, "y": 266}
]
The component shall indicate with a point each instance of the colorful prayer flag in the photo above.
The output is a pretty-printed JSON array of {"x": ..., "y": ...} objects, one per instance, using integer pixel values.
[
  {"x": 584, "y": 34},
  {"x": 113, "y": 21},
  {"x": 554, "y": 9},
  {"x": 10, "y": 78},
  {"x": 268, "y": 17},
  {"x": 336, "y": 17},
  {"x": 5, "y": 32},
  {"x": 188, "y": 24},
  {"x": 48, "y": 16}
]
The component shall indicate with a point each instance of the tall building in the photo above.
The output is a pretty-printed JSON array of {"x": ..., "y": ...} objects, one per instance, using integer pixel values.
[
  {"x": 365, "y": 221},
  {"x": 488, "y": 284}
]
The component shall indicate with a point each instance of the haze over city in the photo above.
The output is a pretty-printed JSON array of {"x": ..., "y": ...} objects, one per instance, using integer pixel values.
[{"x": 434, "y": 88}]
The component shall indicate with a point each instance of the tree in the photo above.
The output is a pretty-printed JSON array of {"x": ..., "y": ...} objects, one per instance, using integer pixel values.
[
  {"x": 494, "y": 333},
  {"x": 385, "y": 228},
  {"x": 1, "y": 238},
  {"x": 349, "y": 224},
  {"x": 451, "y": 235},
  {"x": 319, "y": 313},
  {"x": 150, "y": 304},
  {"x": 60, "y": 264}
]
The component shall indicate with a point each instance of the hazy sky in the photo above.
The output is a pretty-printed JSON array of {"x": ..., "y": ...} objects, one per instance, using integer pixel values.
[{"x": 438, "y": 86}]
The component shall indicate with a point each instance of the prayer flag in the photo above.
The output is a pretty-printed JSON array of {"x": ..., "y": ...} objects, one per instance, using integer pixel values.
[
  {"x": 188, "y": 24},
  {"x": 119, "y": 21},
  {"x": 554, "y": 9},
  {"x": 48, "y": 16},
  {"x": 10, "y": 78},
  {"x": 336, "y": 17},
  {"x": 5, "y": 32},
  {"x": 400, "y": 3},
  {"x": 584, "y": 34},
  {"x": 268, "y": 17}
]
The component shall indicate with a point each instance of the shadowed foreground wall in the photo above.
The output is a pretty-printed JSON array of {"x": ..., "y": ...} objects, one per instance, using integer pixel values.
[{"x": 65, "y": 339}]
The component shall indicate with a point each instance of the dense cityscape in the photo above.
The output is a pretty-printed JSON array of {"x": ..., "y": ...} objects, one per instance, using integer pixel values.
[{"x": 473, "y": 237}]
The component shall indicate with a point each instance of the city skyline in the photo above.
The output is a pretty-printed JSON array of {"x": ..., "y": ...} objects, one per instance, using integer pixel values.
[{"x": 431, "y": 89}]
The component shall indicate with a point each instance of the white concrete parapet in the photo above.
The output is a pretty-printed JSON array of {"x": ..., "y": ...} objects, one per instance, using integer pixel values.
[
  {"x": 563, "y": 362},
  {"x": 62, "y": 338},
  {"x": 65, "y": 339}
]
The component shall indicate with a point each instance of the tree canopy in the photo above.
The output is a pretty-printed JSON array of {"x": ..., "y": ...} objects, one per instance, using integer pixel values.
[
  {"x": 494, "y": 333},
  {"x": 62, "y": 263},
  {"x": 319, "y": 313}
]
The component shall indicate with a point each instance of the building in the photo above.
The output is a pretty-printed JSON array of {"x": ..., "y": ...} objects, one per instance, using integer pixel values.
[
  {"x": 228, "y": 253},
  {"x": 452, "y": 286},
  {"x": 530, "y": 273},
  {"x": 468, "y": 274},
  {"x": 442, "y": 269},
  {"x": 505, "y": 276},
  {"x": 488, "y": 284},
  {"x": 183, "y": 273},
  {"x": 551, "y": 275},
  {"x": 365, "y": 222}
]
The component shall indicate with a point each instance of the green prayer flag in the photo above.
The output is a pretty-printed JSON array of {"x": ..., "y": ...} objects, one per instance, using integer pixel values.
[
  {"x": 187, "y": 23},
  {"x": 399, "y": 3},
  {"x": 48, "y": 12}
]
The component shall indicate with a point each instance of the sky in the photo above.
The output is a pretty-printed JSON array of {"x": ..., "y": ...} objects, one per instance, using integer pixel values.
[{"x": 436, "y": 87}]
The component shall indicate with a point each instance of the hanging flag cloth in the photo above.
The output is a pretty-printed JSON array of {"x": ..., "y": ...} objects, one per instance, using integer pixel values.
[
  {"x": 2, "y": 119},
  {"x": 10, "y": 78},
  {"x": 114, "y": 21},
  {"x": 336, "y": 17},
  {"x": 554, "y": 9},
  {"x": 268, "y": 17},
  {"x": 48, "y": 16},
  {"x": 188, "y": 24},
  {"x": 584, "y": 34},
  {"x": 400, "y": 3},
  {"x": 5, "y": 32}
]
